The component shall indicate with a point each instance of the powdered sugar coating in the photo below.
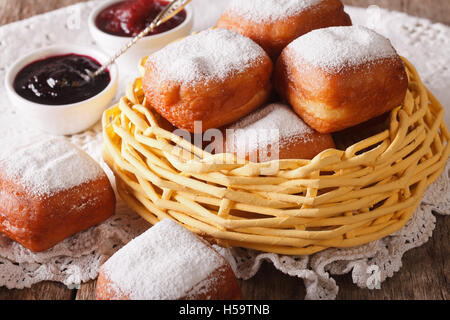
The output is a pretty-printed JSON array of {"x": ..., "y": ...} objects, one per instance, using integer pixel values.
[
  {"x": 212, "y": 54},
  {"x": 333, "y": 49},
  {"x": 48, "y": 166},
  {"x": 165, "y": 262},
  {"x": 275, "y": 124},
  {"x": 269, "y": 10},
  {"x": 207, "y": 286}
]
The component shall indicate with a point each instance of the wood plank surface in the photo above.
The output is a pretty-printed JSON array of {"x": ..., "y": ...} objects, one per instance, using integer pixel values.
[
  {"x": 425, "y": 272},
  {"x": 41, "y": 291},
  {"x": 86, "y": 291}
]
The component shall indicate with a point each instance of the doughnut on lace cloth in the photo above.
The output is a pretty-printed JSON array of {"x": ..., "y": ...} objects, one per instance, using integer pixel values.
[{"x": 78, "y": 258}]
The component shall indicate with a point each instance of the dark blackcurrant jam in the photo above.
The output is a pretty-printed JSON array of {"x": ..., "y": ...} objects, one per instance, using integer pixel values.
[
  {"x": 129, "y": 18},
  {"x": 60, "y": 80}
]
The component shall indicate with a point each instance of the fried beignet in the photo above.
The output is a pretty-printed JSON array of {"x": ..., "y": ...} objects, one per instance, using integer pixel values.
[
  {"x": 50, "y": 190},
  {"x": 167, "y": 262},
  {"x": 216, "y": 76},
  {"x": 273, "y": 24},
  {"x": 339, "y": 77}
]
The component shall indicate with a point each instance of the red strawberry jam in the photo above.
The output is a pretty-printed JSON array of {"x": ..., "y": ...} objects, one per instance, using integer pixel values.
[{"x": 129, "y": 18}]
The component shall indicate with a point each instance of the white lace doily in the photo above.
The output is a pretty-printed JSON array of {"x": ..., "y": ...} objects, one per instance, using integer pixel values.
[{"x": 78, "y": 258}]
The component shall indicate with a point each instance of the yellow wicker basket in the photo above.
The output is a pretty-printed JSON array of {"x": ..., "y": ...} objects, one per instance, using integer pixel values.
[{"x": 338, "y": 199}]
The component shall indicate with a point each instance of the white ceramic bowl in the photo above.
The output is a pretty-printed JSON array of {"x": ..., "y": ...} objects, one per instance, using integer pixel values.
[
  {"x": 61, "y": 119},
  {"x": 144, "y": 47}
]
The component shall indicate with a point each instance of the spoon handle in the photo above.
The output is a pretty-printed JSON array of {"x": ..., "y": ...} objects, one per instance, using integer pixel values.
[{"x": 169, "y": 11}]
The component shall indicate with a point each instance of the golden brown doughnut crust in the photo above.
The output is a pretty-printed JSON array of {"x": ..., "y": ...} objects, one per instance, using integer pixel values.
[
  {"x": 106, "y": 290},
  {"x": 365, "y": 130},
  {"x": 297, "y": 148},
  {"x": 331, "y": 102},
  {"x": 274, "y": 36},
  {"x": 225, "y": 288},
  {"x": 215, "y": 103},
  {"x": 292, "y": 148},
  {"x": 40, "y": 223}
]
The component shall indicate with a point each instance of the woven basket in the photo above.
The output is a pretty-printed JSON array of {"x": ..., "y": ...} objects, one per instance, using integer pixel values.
[{"x": 338, "y": 199}]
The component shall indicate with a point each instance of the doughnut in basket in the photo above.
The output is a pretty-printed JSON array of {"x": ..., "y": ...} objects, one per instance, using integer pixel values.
[
  {"x": 339, "y": 77},
  {"x": 274, "y": 132},
  {"x": 200, "y": 79},
  {"x": 273, "y": 24},
  {"x": 295, "y": 206}
]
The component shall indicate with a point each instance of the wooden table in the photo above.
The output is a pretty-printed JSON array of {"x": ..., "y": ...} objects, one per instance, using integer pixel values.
[{"x": 425, "y": 272}]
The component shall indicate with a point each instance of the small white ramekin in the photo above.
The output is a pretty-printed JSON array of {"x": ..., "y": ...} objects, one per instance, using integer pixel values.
[
  {"x": 144, "y": 47},
  {"x": 61, "y": 119}
]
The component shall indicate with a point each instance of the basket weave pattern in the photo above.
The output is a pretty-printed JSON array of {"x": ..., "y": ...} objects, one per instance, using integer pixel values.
[{"x": 338, "y": 199}]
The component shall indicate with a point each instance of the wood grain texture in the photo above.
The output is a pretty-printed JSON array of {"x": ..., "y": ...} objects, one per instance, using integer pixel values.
[
  {"x": 41, "y": 291},
  {"x": 86, "y": 291},
  {"x": 424, "y": 275},
  {"x": 426, "y": 270}
]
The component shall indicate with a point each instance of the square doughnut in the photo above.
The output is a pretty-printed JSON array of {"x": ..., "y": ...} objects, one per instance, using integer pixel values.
[
  {"x": 274, "y": 132},
  {"x": 200, "y": 79},
  {"x": 336, "y": 78},
  {"x": 50, "y": 190},
  {"x": 273, "y": 24},
  {"x": 167, "y": 262}
]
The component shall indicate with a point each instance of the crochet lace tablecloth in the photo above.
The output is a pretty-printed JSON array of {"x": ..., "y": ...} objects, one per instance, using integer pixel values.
[{"x": 78, "y": 258}]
